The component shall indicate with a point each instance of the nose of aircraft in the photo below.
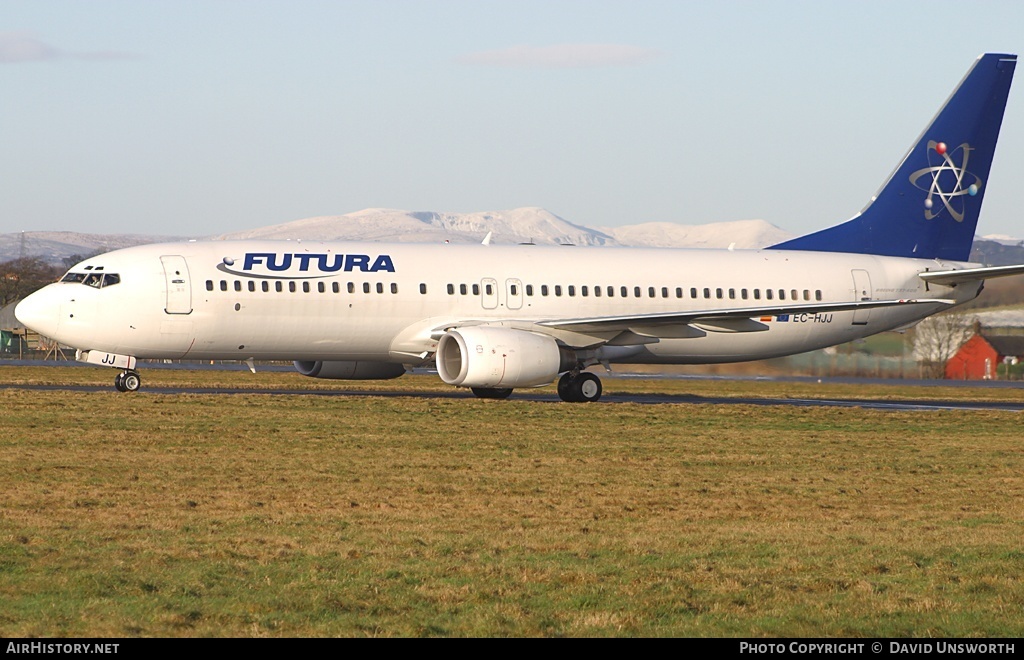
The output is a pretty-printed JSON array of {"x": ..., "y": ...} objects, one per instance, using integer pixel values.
[{"x": 39, "y": 312}]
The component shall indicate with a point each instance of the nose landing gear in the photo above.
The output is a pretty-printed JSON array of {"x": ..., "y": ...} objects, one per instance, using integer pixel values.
[{"x": 128, "y": 381}]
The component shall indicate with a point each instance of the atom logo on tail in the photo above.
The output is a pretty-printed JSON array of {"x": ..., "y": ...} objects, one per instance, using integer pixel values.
[{"x": 947, "y": 173}]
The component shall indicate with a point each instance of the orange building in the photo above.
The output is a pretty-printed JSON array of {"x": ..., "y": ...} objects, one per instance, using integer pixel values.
[{"x": 987, "y": 357}]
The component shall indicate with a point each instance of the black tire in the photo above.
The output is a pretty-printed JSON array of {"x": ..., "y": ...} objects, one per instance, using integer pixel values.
[
  {"x": 565, "y": 387},
  {"x": 131, "y": 381},
  {"x": 492, "y": 392},
  {"x": 119, "y": 383}
]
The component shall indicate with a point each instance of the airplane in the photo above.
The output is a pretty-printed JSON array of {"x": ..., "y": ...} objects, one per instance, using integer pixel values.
[{"x": 495, "y": 318}]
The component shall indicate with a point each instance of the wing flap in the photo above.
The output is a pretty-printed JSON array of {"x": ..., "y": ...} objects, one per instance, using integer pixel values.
[{"x": 723, "y": 320}]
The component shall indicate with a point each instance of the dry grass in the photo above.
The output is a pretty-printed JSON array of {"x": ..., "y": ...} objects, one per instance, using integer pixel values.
[{"x": 247, "y": 515}]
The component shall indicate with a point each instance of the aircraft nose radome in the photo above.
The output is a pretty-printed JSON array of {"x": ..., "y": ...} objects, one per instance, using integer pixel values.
[{"x": 38, "y": 313}]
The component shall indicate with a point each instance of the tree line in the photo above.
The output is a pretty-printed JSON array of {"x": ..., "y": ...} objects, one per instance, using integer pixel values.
[{"x": 24, "y": 275}]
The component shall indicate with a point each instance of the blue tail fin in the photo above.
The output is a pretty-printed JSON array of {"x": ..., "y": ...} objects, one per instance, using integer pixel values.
[{"x": 929, "y": 207}]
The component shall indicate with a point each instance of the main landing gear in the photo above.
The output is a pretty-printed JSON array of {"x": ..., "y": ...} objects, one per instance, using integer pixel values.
[
  {"x": 128, "y": 381},
  {"x": 579, "y": 387}
]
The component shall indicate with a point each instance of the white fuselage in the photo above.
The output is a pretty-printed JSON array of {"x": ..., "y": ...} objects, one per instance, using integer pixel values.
[{"x": 390, "y": 302}]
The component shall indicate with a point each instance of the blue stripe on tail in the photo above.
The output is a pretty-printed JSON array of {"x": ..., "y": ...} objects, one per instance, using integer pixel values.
[{"x": 929, "y": 207}]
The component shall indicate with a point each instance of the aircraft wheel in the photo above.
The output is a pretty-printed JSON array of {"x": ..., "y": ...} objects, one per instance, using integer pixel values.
[
  {"x": 119, "y": 383},
  {"x": 131, "y": 381},
  {"x": 587, "y": 387},
  {"x": 492, "y": 392},
  {"x": 583, "y": 388},
  {"x": 565, "y": 387}
]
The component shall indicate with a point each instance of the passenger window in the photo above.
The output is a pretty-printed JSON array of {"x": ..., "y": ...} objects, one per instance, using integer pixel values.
[
  {"x": 266, "y": 286},
  {"x": 597, "y": 291},
  {"x": 679, "y": 292},
  {"x": 817, "y": 295},
  {"x": 291, "y": 287},
  {"x": 718, "y": 294},
  {"x": 732, "y": 294},
  {"x": 543, "y": 289},
  {"x": 782, "y": 294},
  {"x": 305, "y": 287},
  {"x": 489, "y": 288},
  {"x": 583, "y": 291},
  {"x": 529, "y": 289},
  {"x": 611, "y": 292},
  {"x": 636, "y": 292},
  {"x": 209, "y": 283},
  {"x": 707, "y": 293},
  {"x": 624, "y": 292},
  {"x": 366, "y": 287},
  {"x": 664, "y": 292},
  {"x": 423, "y": 288},
  {"x": 335, "y": 287},
  {"x": 238, "y": 285},
  {"x": 223, "y": 285},
  {"x": 572, "y": 290},
  {"x": 514, "y": 290},
  {"x": 380, "y": 287},
  {"x": 793, "y": 296},
  {"x": 252, "y": 286},
  {"x": 394, "y": 287},
  {"x": 463, "y": 290},
  {"x": 451, "y": 289},
  {"x": 757, "y": 294},
  {"x": 693, "y": 292},
  {"x": 476, "y": 289},
  {"x": 352, "y": 287},
  {"x": 279, "y": 287},
  {"x": 807, "y": 294},
  {"x": 650, "y": 292},
  {"x": 558, "y": 289},
  {"x": 768, "y": 294}
]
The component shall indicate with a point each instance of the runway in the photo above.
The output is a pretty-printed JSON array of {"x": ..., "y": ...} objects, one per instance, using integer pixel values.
[{"x": 525, "y": 395}]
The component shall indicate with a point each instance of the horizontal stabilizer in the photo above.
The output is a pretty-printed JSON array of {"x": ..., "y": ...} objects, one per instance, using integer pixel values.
[{"x": 970, "y": 274}]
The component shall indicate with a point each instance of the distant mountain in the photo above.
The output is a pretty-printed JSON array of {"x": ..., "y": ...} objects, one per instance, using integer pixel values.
[
  {"x": 516, "y": 226},
  {"x": 55, "y": 246},
  {"x": 997, "y": 253},
  {"x": 523, "y": 225},
  {"x": 742, "y": 234}
]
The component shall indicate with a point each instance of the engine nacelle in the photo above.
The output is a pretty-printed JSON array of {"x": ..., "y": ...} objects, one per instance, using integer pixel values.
[
  {"x": 349, "y": 369},
  {"x": 481, "y": 356}
]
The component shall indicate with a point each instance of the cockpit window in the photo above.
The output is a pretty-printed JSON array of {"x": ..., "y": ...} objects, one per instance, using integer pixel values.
[{"x": 94, "y": 279}]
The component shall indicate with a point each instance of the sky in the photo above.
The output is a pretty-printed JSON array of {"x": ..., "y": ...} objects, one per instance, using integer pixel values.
[{"x": 195, "y": 118}]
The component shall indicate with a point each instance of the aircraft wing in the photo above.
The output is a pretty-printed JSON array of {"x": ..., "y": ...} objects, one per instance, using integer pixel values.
[
  {"x": 740, "y": 319},
  {"x": 969, "y": 274}
]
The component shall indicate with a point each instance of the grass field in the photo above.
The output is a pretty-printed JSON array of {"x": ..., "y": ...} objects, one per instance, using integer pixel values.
[{"x": 291, "y": 515}]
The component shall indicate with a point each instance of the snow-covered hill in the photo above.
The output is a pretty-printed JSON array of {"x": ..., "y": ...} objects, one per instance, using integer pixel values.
[
  {"x": 516, "y": 226},
  {"x": 523, "y": 225}
]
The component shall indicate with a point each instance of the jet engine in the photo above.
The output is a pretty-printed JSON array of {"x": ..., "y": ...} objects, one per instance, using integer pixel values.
[
  {"x": 492, "y": 357},
  {"x": 349, "y": 369}
]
